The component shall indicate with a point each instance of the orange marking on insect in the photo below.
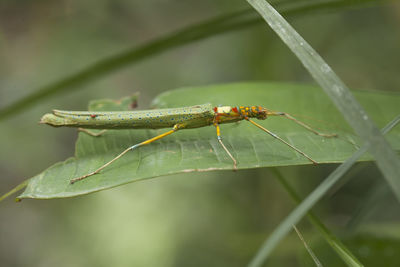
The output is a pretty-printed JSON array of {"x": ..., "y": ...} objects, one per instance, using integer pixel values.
[{"x": 93, "y": 116}]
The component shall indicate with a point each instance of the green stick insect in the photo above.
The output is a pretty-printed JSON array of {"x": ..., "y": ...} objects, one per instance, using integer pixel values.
[{"x": 175, "y": 118}]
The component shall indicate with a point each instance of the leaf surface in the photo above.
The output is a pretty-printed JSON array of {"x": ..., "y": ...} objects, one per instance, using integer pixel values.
[{"x": 198, "y": 149}]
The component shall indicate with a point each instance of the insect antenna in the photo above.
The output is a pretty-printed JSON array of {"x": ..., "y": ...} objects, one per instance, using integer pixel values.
[{"x": 290, "y": 117}]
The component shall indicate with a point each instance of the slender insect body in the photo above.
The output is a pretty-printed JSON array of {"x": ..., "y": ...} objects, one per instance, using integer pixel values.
[
  {"x": 174, "y": 118},
  {"x": 188, "y": 117}
]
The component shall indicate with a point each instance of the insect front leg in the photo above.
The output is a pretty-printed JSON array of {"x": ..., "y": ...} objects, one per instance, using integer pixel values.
[
  {"x": 224, "y": 147},
  {"x": 146, "y": 142}
]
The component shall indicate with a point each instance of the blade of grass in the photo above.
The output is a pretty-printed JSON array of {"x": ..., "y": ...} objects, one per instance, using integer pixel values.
[
  {"x": 387, "y": 160},
  {"x": 217, "y": 25},
  {"x": 298, "y": 213},
  {"x": 343, "y": 252},
  {"x": 309, "y": 250},
  {"x": 376, "y": 194},
  {"x": 107, "y": 65},
  {"x": 325, "y": 5}
]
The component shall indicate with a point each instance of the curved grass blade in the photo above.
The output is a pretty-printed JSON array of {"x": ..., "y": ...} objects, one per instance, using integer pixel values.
[
  {"x": 387, "y": 160},
  {"x": 298, "y": 213},
  {"x": 217, "y": 25},
  {"x": 380, "y": 190},
  {"x": 307, "y": 247},
  {"x": 107, "y": 65},
  {"x": 341, "y": 250}
]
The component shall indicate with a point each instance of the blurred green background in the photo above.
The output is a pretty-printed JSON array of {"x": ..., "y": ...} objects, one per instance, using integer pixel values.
[{"x": 198, "y": 219}]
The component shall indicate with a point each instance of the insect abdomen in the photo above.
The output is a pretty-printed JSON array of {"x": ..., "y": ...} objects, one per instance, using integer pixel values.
[{"x": 191, "y": 117}]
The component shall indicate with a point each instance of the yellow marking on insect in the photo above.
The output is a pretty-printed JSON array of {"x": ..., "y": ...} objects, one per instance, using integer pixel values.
[{"x": 226, "y": 109}]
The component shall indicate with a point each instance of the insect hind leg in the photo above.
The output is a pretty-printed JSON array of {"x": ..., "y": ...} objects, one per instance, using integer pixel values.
[{"x": 91, "y": 133}]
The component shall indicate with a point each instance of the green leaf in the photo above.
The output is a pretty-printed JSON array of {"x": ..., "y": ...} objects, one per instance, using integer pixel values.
[{"x": 198, "y": 149}]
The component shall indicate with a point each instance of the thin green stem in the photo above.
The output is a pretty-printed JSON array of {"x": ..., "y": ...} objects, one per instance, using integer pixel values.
[{"x": 343, "y": 252}]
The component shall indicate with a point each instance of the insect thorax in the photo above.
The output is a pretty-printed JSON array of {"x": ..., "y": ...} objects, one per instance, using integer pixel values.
[{"x": 227, "y": 114}]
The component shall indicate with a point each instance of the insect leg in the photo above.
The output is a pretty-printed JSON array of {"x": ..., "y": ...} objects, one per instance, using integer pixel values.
[
  {"x": 224, "y": 147},
  {"x": 283, "y": 141},
  {"x": 91, "y": 133},
  {"x": 148, "y": 141},
  {"x": 288, "y": 116}
]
